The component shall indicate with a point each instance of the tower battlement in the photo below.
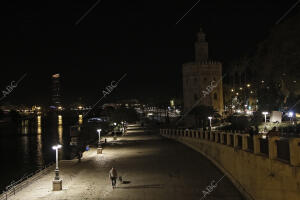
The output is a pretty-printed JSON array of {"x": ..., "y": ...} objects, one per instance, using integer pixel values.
[{"x": 198, "y": 75}]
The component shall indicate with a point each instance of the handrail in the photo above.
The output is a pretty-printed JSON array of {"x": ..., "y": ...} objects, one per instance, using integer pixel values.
[{"x": 16, "y": 186}]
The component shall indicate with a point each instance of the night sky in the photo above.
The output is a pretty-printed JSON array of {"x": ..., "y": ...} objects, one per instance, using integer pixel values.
[{"x": 139, "y": 38}]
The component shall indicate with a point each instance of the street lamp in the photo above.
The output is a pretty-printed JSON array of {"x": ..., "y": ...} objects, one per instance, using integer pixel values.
[
  {"x": 115, "y": 136},
  {"x": 57, "y": 182},
  {"x": 291, "y": 114},
  {"x": 265, "y": 114},
  {"x": 99, "y": 136},
  {"x": 123, "y": 127},
  {"x": 99, "y": 149},
  {"x": 210, "y": 121}
]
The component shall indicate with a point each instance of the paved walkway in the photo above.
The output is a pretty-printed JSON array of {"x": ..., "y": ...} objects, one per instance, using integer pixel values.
[{"x": 153, "y": 168}]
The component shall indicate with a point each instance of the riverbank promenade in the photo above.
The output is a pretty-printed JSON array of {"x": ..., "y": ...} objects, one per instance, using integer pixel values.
[{"x": 152, "y": 168}]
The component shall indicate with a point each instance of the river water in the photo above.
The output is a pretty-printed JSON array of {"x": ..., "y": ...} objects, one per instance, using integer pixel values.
[{"x": 24, "y": 147}]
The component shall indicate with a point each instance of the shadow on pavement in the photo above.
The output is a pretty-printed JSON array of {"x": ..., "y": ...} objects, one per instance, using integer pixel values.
[
  {"x": 125, "y": 182},
  {"x": 141, "y": 186}
]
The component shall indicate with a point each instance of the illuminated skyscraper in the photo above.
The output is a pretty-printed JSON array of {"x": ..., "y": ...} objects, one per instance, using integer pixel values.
[{"x": 56, "y": 98}]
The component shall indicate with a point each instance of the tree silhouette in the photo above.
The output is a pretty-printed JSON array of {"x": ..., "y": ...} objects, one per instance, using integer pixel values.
[{"x": 201, "y": 114}]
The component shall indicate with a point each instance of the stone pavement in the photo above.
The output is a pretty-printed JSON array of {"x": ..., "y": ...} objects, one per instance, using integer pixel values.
[{"x": 151, "y": 166}]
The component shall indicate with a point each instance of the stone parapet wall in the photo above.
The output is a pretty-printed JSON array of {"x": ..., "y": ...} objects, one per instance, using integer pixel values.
[{"x": 254, "y": 165}]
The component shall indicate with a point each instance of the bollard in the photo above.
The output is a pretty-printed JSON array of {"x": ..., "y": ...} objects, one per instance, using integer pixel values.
[{"x": 99, "y": 150}]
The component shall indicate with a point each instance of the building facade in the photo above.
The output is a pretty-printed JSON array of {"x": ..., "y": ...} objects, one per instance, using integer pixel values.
[
  {"x": 202, "y": 79},
  {"x": 56, "y": 97}
]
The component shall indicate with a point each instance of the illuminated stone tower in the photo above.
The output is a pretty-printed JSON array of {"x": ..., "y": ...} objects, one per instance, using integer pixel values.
[{"x": 200, "y": 74}]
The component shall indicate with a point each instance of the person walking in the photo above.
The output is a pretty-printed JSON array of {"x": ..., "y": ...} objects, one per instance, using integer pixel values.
[
  {"x": 79, "y": 155},
  {"x": 113, "y": 175}
]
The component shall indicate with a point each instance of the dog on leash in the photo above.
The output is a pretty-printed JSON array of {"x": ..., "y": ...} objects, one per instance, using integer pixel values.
[{"x": 121, "y": 179}]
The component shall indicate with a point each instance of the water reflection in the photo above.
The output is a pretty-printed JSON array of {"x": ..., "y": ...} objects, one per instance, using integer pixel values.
[
  {"x": 25, "y": 149},
  {"x": 39, "y": 151},
  {"x": 24, "y": 129},
  {"x": 27, "y": 145},
  {"x": 39, "y": 125},
  {"x": 79, "y": 119},
  {"x": 60, "y": 120},
  {"x": 39, "y": 121}
]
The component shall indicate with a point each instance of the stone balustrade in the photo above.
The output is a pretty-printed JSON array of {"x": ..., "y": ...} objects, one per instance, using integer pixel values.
[
  {"x": 232, "y": 140},
  {"x": 247, "y": 160}
]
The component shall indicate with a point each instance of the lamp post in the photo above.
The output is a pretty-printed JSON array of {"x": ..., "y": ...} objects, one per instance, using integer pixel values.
[
  {"x": 99, "y": 149},
  {"x": 265, "y": 114},
  {"x": 123, "y": 130},
  {"x": 99, "y": 137},
  {"x": 57, "y": 182},
  {"x": 115, "y": 136},
  {"x": 210, "y": 121},
  {"x": 291, "y": 114}
]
